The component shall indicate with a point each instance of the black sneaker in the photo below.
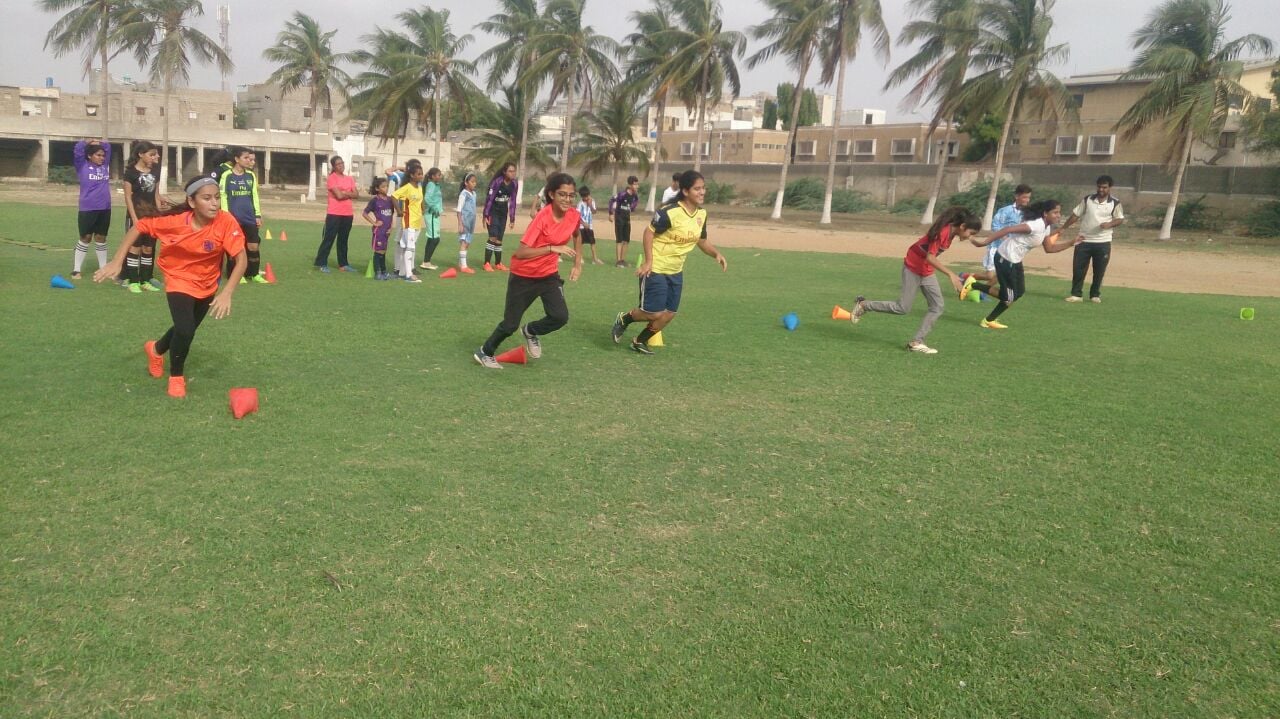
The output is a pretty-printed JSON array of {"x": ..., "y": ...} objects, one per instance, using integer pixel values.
[
  {"x": 619, "y": 327},
  {"x": 531, "y": 341},
  {"x": 640, "y": 348}
]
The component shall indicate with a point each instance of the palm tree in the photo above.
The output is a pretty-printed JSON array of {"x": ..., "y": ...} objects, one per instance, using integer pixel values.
[
  {"x": 498, "y": 146},
  {"x": 435, "y": 49},
  {"x": 1194, "y": 71},
  {"x": 610, "y": 141},
  {"x": 1009, "y": 57},
  {"x": 946, "y": 34},
  {"x": 391, "y": 90},
  {"x": 706, "y": 55},
  {"x": 87, "y": 26},
  {"x": 160, "y": 35},
  {"x": 649, "y": 74},
  {"x": 573, "y": 57},
  {"x": 306, "y": 58},
  {"x": 851, "y": 17},
  {"x": 517, "y": 24}
]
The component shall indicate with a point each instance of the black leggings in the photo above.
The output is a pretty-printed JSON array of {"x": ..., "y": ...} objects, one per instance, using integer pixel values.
[
  {"x": 188, "y": 312},
  {"x": 521, "y": 292},
  {"x": 335, "y": 227}
]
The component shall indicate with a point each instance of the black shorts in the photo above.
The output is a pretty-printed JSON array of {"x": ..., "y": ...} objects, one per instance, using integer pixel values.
[
  {"x": 622, "y": 227},
  {"x": 588, "y": 236},
  {"x": 95, "y": 222},
  {"x": 251, "y": 233},
  {"x": 498, "y": 226},
  {"x": 1012, "y": 281}
]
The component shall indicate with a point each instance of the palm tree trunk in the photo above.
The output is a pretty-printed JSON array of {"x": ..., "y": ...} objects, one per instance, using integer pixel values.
[
  {"x": 702, "y": 118},
  {"x": 106, "y": 76},
  {"x": 435, "y": 99},
  {"x": 791, "y": 143},
  {"x": 526, "y": 108},
  {"x": 927, "y": 217},
  {"x": 311, "y": 154},
  {"x": 164, "y": 139},
  {"x": 1004, "y": 138},
  {"x": 568, "y": 129},
  {"x": 395, "y": 151},
  {"x": 657, "y": 156},
  {"x": 835, "y": 130},
  {"x": 1166, "y": 228}
]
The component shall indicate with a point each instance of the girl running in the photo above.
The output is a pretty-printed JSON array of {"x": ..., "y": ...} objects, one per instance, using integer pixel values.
[
  {"x": 380, "y": 213},
  {"x": 499, "y": 210},
  {"x": 534, "y": 272},
  {"x": 1036, "y": 229},
  {"x": 337, "y": 222},
  {"x": 466, "y": 220},
  {"x": 92, "y": 160},
  {"x": 676, "y": 229},
  {"x": 955, "y": 223},
  {"x": 193, "y": 237},
  {"x": 409, "y": 206},
  {"x": 140, "y": 200}
]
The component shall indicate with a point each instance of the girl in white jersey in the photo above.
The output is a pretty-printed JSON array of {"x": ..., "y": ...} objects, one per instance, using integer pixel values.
[{"x": 1036, "y": 230}]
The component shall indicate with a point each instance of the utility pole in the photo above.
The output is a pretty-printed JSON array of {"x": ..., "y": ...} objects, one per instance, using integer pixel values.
[{"x": 224, "y": 35}]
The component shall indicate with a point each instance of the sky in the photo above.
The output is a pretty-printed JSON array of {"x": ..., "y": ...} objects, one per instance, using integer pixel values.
[{"x": 1097, "y": 32}]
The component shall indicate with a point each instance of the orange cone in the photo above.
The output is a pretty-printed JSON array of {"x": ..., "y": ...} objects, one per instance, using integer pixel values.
[
  {"x": 271, "y": 276},
  {"x": 840, "y": 313},
  {"x": 284, "y": 236},
  {"x": 513, "y": 356},
  {"x": 449, "y": 274},
  {"x": 243, "y": 401}
]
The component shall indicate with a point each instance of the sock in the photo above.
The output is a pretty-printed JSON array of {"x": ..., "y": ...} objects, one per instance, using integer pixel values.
[
  {"x": 379, "y": 263},
  {"x": 497, "y": 257},
  {"x": 645, "y": 335},
  {"x": 432, "y": 243},
  {"x": 82, "y": 251},
  {"x": 408, "y": 262},
  {"x": 146, "y": 268},
  {"x": 462, "y": 255},
  {"x": 255, "y": 261},
  {"x": 627, "y": 319},
  {"x": 488, "y": 254},
  {"x": 101, "y": 249},
  {"x": 131, "y": 272},
  {"x": 999, "y": 310}
]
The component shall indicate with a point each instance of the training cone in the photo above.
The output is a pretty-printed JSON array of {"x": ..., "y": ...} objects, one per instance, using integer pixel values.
[
  {"x": 284, "y": 237},
  {"x": 840, "y": 313},
  {"x": 790, "y": 321},
  {"x": 243, "y": 401},
  {"x": 1246, "y": 313},
  {"x": 368, "y": 270},
  {"x": 267, "y": 236},
  {"x": 513, "y": 356},
  {"x": 58, "y": 282},
  {"x": 269, "y": 274},
  {"x": 973, "y": 296},
  {"x": 449, "y": 274},
  {"x": 656, "y": 341}
]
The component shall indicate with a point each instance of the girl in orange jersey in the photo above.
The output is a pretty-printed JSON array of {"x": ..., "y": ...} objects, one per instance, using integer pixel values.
[{"x": 193, "y": 239}]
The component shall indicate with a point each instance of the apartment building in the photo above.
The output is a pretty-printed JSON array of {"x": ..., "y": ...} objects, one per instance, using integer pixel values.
[{"x": 885, "y": 143}]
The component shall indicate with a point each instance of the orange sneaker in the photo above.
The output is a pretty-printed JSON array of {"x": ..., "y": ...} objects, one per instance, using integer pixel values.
[
  {"x": 155, "y": 362},
  {"x": 467, "y": 271},
  {"x": 500, "y": 267},
  {"x": 178, "y": 387},
  {"x": 488, "y": 267}
]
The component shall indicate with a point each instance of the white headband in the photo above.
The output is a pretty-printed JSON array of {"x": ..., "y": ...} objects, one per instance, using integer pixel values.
[{"x": 197, "y": 184}]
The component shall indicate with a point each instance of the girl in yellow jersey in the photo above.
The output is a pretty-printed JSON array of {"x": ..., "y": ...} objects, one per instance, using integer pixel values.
[{"x": 675, "y": 230}]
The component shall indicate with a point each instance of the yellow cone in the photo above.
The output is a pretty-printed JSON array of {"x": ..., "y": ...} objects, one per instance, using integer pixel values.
[
  {"x": 656, "y": 341},
  {"x": 267, "y": 236}
]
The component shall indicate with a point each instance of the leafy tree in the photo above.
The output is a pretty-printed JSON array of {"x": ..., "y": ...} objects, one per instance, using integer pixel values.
[
  {"x": 499, "y": 145},
  {"x": 435, "y": 51},
  {"x": 517, "y": 23},
  {"x": 984, "y": 135},
  {"x": 391, "y": 91},
  {"x": 86, "y": 26},
  {"x": 610, "y": 141},
  {"x": 649, "y": 73},
  {"x": 770, "y": 120}
]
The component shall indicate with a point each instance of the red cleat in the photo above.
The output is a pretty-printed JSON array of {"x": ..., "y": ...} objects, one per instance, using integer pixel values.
[
  {"x": 500, "y": 267},
  {"x": 467, "y": 271},
  {"x": 155, "y": 362},
  {"x": 178, "y": 387},
  {"x": 488, "y": 267}
]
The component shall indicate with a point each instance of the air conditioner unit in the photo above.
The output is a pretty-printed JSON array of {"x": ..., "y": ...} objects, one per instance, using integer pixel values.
[
  {"x": 686, "y": 149},
  {"x": 1068, "y": 145},
  {"x": 1102, "y": 144}
]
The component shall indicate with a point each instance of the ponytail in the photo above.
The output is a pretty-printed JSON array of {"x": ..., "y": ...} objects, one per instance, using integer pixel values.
[{"x": 953, "y": 217}]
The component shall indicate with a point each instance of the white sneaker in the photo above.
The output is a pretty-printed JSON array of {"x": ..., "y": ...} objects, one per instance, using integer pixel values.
[
  {"x": 922, "y": 348},
  {"x": 486, "y": 361},
  {"x": 532, "y": 342},
  {"x": 1096, "y": 300},
  {"x": 428, "y": 266},
  {"x": 1073, "y": 298}
]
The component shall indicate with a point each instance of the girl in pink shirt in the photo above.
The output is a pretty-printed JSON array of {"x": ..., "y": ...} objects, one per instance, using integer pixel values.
[{"x": 337, "y": 222}]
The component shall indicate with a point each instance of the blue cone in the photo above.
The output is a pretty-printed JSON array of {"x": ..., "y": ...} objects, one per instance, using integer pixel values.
[
  {"x": 58, "y": 282},
  {"x": 790, "y": 321}
]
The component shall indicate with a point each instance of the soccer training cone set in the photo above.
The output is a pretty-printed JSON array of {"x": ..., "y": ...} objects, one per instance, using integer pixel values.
[
  {"x": 656, "y": 340},
  {"x": 790, "y": 321},
  {"x": 449, "y": 274},
  {"x": 513, "y": 356},
  {"x": 243, "y": 401},
  {"x": 271, "y": 276},
  {"x": 840, "y": 313},
  {"x": 58, "y": 282}
]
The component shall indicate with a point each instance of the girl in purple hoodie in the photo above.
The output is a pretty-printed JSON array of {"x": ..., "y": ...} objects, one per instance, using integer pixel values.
[{"x": 92, "y": 160}]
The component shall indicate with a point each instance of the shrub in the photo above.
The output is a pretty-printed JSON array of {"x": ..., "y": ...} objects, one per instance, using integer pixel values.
[
  {"x": 975, "y": 198},
  {"x": 1264, "y": 220},
  {"x": 63, "y": 175},
  {"x": 1188, "y": 215},
  {"x": 808, "y": 193},
  {"x": 910, "y": 206},
  {"x": 720, "y": 193}
]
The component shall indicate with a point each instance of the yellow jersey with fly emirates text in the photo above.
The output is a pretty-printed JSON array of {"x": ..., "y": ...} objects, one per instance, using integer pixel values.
[{"x": 676, "y": 231}]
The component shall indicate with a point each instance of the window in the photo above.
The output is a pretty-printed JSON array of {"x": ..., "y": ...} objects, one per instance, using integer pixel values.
[
  {"x": 864, "y": 147},
  {"x": 1262, "y": 103},
  {"x": 868, "y": 119},
  {"x": 140, "y": 111},
  {"x": 1235, "y": 102},
  {"x": 1015, "y": 141},
  {"x": 686, "y": 149},
  {"x": 1067, "y": 145},
  {"x": 192, "y": 115},
  {"x": 222, "y": 117},
  {"x": 806, "y": 148},
  {"x": 902, "y": 146},
  {"x": 422, "y": 150},
  {"x": 953, "y": 149},
  {"x": 1102, "y": 144},
  {"x": 842, "y": 148},
  {"x": 91, "y": 110},
  {"x": 1227, "y": 140},
  {"x": 306, "y": 112},
  {"x": 161, "y": 112},
  {"x": 1037, "y": 141},
  {"x": 1076, "y": 101},
  {"x": 326, "y": 114}
]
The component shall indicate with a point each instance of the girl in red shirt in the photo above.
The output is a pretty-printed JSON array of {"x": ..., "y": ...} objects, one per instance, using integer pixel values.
[
  {"x": 193, "y": 239},
  {"x": 534, "y": 272}
]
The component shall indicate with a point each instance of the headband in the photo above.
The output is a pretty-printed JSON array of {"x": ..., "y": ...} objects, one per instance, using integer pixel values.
[{"x": 197, "y": 184}]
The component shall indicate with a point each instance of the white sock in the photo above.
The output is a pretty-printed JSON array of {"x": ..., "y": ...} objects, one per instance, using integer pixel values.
[
  {"x": 82, "y": 251},
  {"x": 101, "y": 249},
  {"x": 462, "y": 255},
  {"x": 408, "y": 262}
]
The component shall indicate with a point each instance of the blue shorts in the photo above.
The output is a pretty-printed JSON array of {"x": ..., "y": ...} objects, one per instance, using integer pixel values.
[{"x": 661, "y": 293}]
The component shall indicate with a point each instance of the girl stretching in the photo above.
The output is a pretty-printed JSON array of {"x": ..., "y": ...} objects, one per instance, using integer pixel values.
[
  {"x": 955, "y": 223},
  {"x": 466, "y": 220},
  {"x": 380, "y": 213},
  {"x": 534, "y": 272},
  {"x": 1036, "y": 229},
  {"x": 193, "y": 238},
  {"x": 92, "y": 161},
  {"x": 140, "y": 200},
  {"x": 499, "y": 210}
]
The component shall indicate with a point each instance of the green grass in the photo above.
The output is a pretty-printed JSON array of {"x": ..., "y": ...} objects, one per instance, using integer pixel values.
[{"x": 1077, "y": 517}]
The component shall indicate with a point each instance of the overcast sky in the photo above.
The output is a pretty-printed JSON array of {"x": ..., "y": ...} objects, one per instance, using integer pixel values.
[{"x": 1098, "y": 34}]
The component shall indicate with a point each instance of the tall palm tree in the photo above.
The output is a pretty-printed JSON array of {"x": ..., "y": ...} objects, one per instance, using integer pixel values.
[
  {"x": 391, "y": 90},
  {"x": 946, "y": 31},
  {"x": 1194, "y": 70},
  {"x": 841, "y": 46},
  {"x": 1009, "y": 59},
  {"x": 649, "y": 74},
  {"x": 706, "y": 54},
  {"x": 573, "y": 57},
  {"x": 435, "y": 50},
  {"x": 610, "y": 141},
  {"x": 86, "y": 26},
  {"x": 306, "y": 59},
  {"x": 160, "y": 35},
  {"x": 517, "y": 23},
  {"x": 498, "y": 146}
]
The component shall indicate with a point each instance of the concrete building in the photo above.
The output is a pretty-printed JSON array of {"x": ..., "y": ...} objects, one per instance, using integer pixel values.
[
  {"x": 899, "y": 143},
  {"x": 1101, "y": 99}
]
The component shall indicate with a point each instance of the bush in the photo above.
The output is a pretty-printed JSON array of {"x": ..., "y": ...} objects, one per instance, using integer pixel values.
[
  {"x": 910, "y": 206},
  {"x": 720, "y": 193},
  {"x": 808, "y": 194},
  {"x": 1263, "y": 220},
  {"x": 975, "y": 198},
  {"x": 63, "y": 175},
  {"x": 1188, "y": 215}
]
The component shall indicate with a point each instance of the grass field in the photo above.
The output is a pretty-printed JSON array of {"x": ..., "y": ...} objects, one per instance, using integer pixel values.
[{"x": 1078, "y": 517}]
